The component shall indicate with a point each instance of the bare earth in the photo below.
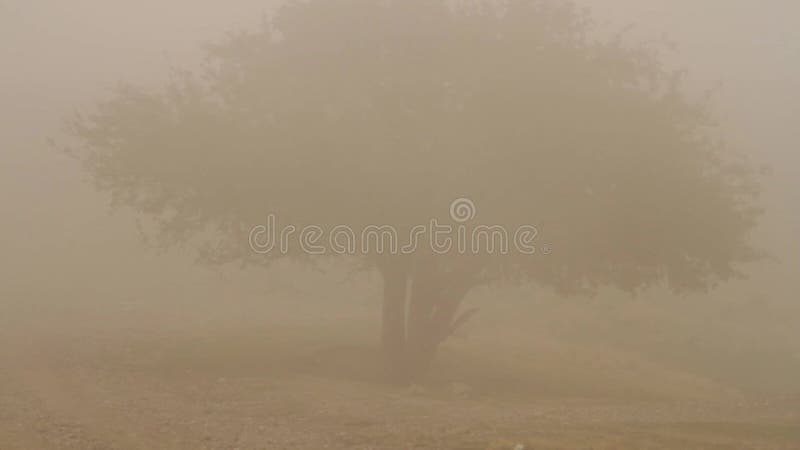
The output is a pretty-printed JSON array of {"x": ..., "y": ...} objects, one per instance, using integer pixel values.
[{"x": 132, "y": 377}]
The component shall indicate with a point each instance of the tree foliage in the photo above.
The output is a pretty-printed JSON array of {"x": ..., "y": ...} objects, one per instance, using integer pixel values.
[{"x": 366, "y": 112}]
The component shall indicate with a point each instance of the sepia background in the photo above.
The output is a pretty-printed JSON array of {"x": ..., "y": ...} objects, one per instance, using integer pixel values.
[{"x": 107, "y": 344}]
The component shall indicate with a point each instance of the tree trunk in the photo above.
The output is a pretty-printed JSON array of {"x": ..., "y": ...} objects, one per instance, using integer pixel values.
[
  {"x": 435, "y": 298},
  {"x": 393, "y": 330},
  {"x": 410, "y": 338},
  {"x": 420, "y": 341}
]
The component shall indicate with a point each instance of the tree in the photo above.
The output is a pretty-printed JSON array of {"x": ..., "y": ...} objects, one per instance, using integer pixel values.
[{"x": 370, "y": 113}]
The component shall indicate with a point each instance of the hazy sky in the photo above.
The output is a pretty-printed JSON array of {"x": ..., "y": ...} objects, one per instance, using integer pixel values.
[{"x": 57, "y": 55}]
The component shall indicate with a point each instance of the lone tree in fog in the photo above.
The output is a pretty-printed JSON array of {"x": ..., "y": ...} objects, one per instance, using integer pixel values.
[{"x": 367, "y": 112}]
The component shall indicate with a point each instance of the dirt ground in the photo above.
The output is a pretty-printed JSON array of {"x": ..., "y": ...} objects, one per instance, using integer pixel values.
[{"x": 123, "y": 375}]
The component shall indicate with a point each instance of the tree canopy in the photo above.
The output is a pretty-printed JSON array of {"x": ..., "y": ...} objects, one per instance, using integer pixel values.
[{"x": 367, "y": 112}]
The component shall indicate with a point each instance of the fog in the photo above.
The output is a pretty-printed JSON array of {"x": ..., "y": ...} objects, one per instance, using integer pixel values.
[{"x": 107, "y": 342}]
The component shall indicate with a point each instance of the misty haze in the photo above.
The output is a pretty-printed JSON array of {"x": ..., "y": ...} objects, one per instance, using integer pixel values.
[{"x": 386, "y": 224}]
